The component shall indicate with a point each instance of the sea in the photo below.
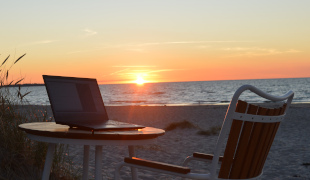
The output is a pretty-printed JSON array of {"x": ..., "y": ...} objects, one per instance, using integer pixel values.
[{"x": 181, "y": 93}]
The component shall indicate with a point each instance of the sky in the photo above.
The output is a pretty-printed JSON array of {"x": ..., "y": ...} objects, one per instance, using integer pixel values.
[{"x": 119, "y": 41}]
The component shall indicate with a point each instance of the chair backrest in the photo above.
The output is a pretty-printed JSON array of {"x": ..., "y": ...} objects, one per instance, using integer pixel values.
[
  {"x": 248, "y": 143},
  {"x": 251, "y": 130}
]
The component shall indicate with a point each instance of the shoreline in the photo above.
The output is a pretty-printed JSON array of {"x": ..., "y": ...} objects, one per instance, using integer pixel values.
[{"x": 177, "y": 105}]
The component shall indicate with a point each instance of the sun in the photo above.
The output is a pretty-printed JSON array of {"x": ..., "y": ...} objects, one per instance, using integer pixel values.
[{"x": 140, "y": 80}]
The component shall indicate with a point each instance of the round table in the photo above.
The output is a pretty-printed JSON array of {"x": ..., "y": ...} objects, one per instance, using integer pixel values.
[{"x": 53, "y": 133}]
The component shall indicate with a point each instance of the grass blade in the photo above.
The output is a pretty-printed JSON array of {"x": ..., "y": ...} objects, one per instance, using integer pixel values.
[
  {"x": 22, "y": 96},
  {"x": 19, "y": 94},
  {"x": 5, "y": 60},
  {"x": 7, "y": 74},
  {"x": 10, "y": 83},
  {"x": 19, "y": 81},
  {"x": 19, "y": 58}
]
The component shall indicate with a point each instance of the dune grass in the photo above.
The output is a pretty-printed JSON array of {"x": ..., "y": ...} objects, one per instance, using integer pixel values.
[
  {"x": 21, "y": 158},
  {"x": 182, "y": 125},
  {"x": 212, "y": 131},
  {"x": 186, "y": 124}
]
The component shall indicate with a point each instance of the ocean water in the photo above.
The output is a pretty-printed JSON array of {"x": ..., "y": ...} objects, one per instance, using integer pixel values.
[{"x": 183, "y": 93}]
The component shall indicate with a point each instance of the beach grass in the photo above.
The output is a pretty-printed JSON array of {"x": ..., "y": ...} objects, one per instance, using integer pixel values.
[
  {"x": 214, "y": 130},
  {"x": 21, "y": 158},
  {"x": 182, "y": 125}
]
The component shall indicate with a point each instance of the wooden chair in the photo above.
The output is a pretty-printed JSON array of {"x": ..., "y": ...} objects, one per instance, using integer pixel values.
[{"x": 250, "y": 130}]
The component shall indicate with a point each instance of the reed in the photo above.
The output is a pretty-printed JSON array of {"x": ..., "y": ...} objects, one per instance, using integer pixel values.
[{"x": 21, "y": 158}]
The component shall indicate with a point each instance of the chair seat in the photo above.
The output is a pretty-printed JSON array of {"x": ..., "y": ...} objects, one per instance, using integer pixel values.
[{"x": 157, "y": 165}]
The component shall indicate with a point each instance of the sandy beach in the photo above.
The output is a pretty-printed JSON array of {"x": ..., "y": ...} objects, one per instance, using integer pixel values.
[{"x": 289, "y": 157}]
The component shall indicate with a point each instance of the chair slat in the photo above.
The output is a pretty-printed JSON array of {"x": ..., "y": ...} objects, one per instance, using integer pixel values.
[
  {"x": 243, "y": 145},
  {"x": 266, "y": 134},
  {"x": 232, "y": 142},
  {"x": 252, "y": 156},
  {"x": 273, "y": 130}
]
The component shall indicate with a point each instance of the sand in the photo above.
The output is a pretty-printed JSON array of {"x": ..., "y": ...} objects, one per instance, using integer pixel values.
[{"x": 289, "y": 157}]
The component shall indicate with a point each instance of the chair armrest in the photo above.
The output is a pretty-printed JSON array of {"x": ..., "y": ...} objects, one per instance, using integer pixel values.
[
  {"x": 157, "y": 165},
  {"x": 205, "y": 156}
]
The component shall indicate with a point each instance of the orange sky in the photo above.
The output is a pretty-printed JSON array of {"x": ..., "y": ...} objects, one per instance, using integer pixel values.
[{"x": 160, "y": 41}]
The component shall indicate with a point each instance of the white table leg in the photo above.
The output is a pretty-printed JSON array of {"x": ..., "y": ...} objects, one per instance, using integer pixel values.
[
  {"x": 98, "y": 163},
  {"x": 48, "y": 161},
  {"x": 86, "y": 162},
  {"x": 131, "y": 150}
]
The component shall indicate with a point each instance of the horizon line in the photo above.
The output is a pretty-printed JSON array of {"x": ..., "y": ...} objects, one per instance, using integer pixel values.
[{"x": 40, "y": 84}]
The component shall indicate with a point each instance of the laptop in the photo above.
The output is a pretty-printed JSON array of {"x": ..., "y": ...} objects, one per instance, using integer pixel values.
[{"x": 77, "y": 102}]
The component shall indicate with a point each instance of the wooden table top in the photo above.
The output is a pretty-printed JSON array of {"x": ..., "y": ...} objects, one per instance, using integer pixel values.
[{"x": 51, "y": 129}]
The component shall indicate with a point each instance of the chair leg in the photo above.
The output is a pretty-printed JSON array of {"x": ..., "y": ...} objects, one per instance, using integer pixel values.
[
  {"x": 86, "y": 162},
  {"x": 131, "y": 150},
  {"x": 48, "y": 161},
  {"x": 98, "y": 163}
]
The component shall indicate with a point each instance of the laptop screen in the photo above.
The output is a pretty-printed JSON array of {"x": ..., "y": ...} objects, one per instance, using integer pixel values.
[{"x": 75, "y": 99}]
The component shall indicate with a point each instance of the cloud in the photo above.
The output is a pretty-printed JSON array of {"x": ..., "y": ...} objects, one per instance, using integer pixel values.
[
  {"x": 128, "y": 74},
  {"x": 82, "y": 51},
  {"x": 139, "y": 47},
  {"x": 257, "y": 51},
  {"x": 185, "y": 42},
  {"x": 202, "y": 47},
  {"x": 137, "y": 50},
  {"x": 293, "y": 51},
  {"x": 163, "y": 70},
  {"x": 45, "y": 42},
  {"x": 133, "y": 70},
  {"x": 117, "y": 72},
  {"x": 89, "y": 32},
  {"x": 135, "y": 66},
  {"x": 40, "y": 42}
]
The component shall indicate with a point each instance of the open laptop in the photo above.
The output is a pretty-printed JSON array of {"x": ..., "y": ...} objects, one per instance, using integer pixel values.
[{"x": 77, "y": 102}]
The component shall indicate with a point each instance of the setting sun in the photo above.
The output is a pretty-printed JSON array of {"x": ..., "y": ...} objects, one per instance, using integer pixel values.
[{"x": 140, "y": 80}]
